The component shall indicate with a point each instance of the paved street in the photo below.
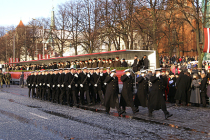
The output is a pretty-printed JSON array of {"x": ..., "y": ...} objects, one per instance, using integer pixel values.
[{"x": 26, "y": 118}]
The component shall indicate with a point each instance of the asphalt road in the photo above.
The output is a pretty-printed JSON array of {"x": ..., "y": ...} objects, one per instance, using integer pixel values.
[{"x": 26, "y": 118}]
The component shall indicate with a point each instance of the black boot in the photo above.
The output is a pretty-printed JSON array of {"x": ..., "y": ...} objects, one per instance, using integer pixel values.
[
  {"x": 121, "y": 112},
  {"x": 167, "y": 115}
]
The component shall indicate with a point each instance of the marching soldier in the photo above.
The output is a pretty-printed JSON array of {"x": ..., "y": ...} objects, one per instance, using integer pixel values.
[
  {"x": 96, "y": 81},
  {"x": 44, "y": 85},
  {"x": 142, "y": 91},
  {"x": 54, "y": 86},
  {"x": 28, "y": 80},
  {"x": 156, "y": 99},
  {"x": 50, "y": 76},
  {"x": 84, "y": 85},
  {"x": 127, "y": 91},
  {"x": 39, "y": 82},
  {"x": 62, "y": 85},
  {"x": 35, "y": 82},
  {"x": 71, "y": 85},
  {"x": 32, "y": 84},
  {"x": 7, "y": 79},
  {"x": 59, "y": 82},
  {"x": 112, "y": 91}
]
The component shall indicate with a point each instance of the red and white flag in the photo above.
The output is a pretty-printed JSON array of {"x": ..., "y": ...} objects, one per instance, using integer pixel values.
[{"x": 207, "y": 40}]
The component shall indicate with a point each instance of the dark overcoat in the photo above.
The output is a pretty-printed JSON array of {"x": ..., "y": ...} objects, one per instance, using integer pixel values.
[
  {"x": 156, "y": 98},
  {"x": 112, "y": 91},
  {"x": 142, "y": 92},
  {"x": 127, "y": 91}
]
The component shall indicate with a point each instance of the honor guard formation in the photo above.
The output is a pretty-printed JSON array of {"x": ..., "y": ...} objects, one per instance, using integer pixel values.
[{"x": 94, "y": 82}]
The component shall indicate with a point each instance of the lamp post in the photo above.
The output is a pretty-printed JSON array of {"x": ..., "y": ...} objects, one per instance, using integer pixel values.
[
  {"x": 6, "y": 45},
  {"x": 43, "y": 34}
]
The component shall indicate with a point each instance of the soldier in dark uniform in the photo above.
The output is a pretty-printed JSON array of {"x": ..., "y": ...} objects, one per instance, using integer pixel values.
[
  {"x": 91, "y": 88},
  {"x": 103, "y": 77},
  {"x": 112, "y": 91},
  {"x": 58, "y": 90},
  {"x": 96, "y": 81},
  {"x": 104, "y": 63},
  {"x": 77, "y": 83},
  {"x": 44, "y": 85},
  {"x": 81, "y": 64},
  {"x": 100, "y": 63},
  {"x": 71, "y": 85},
  {"x": 135, "y": 64},
  {"x": 39, "y": 82},
  {"x": 28, "y": 80},
  {"x": 127, "y": 91},
  {"x": 110, "y": 63},
  {"x": 55, "y": 65},
  {"x": 142, "y": 91},
  {"x": 50, "y": 76},
  {"x": 90, "y": 63},
  {"x": 35, "y": 81},
  {"x": 156, "y": 98},
  {"x": 124, "y": 64},
  {"x": 61, "y": 82},
  {"x": 86, "y": 64},
  {"x": 117, "y": 62},
  {"x": 21, "y": 80},
  {"x": 95, "y": 63},
  {"x": 55, "y": 85},
  {"x": 84, "y": 85}
]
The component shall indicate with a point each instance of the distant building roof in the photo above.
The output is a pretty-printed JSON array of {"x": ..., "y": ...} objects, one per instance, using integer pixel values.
[{"x": 21, "y": 24}]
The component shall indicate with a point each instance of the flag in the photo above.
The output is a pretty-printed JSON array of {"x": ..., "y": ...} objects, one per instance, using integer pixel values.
[{"x": 207, "y": 40}]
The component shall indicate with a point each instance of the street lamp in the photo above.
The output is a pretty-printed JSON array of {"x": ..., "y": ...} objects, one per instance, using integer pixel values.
[{"x": 43, "y": 33}]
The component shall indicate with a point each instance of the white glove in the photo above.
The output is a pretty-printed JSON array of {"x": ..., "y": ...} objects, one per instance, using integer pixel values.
[
  {"x": 29, "y": 84},
  {"x": 128, "y": 74},
  {"x": 112, "y": 74},
  {"x": 36, "y": 85},
  {"x": 75, "y": 85},
  {"x": 157, "y": 75},
  {"x": 43, "y": 83},
  {"x": 48, "y": 85},
  {"x": 40, "y": 84},
  {"x": 88, "y": 75},
  {"x": 76, "y": 75},
  {"x": 69, "y": 86},
  {"x": 32, "y": 84},
  {"x": 81, "y": 85},
  {"x": 101, "y": 74},
  {"x": 89, "y": 84},
  {"x": 58, "y": 85},
  {"x": 53, "y": 85},
  {"x": 171, "y": 81},
  {"x": 95, "y": 85},
  {"x": 62, "y": 85},
  {"x": 105, "y": 83}
]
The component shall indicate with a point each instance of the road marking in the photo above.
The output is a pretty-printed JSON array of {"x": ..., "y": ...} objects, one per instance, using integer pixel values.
[{"x": 38, "y": 116}]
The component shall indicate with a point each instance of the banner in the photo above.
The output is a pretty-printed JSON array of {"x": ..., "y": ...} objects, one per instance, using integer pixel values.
[
  {"x": 47, "y": 56},
  {"x": 207, "y": 40},
  {"x": 39, "y": 56}
]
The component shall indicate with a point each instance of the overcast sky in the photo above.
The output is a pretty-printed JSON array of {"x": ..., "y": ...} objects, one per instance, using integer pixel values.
[{"x": 12, "y": 11}]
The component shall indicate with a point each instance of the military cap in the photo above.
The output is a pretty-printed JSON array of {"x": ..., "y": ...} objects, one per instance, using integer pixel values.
[
  {"x": 84, "y": 68},
  {"x": 107, "y": 67},
  {"x": 127, "y": 70},
  {"x": 60, "y": 68},
  {"x": 101, "y": 68},
  {"x": 65, "y": 68},
  {"x": 96, "y": 68},
  {"x": 114, "y": 70}
]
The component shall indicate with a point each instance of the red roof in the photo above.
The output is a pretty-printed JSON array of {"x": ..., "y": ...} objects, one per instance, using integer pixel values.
[{"x": 21, "y": 24}]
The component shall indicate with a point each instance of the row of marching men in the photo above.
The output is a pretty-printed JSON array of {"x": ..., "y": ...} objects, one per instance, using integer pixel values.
[{"x": 73, "y": 87}]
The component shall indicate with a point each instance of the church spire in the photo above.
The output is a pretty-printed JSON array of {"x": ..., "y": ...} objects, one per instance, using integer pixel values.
[{"x": 52, "y": 18}]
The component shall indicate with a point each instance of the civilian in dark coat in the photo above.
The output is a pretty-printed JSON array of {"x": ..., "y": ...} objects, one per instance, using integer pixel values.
[
  {"x": 127, "y": 91},
  {"x": 142, "y": 91},
  {"x": 183, "y": 84},
  {"x": 112, "y": 91},
  {"x": 124, "y": 64},
  {"x": 203, "y": 89},
  {"x": 145, "y": 62},
  {"x": 156, "y": 98},
  {"x": 135, "y": 64}
]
